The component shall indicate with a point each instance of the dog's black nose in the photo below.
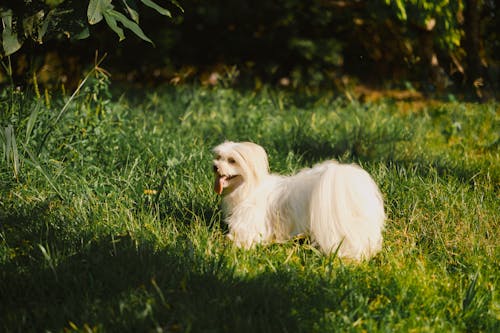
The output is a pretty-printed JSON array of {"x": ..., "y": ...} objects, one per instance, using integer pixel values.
[{"x": 216, "y": 169}]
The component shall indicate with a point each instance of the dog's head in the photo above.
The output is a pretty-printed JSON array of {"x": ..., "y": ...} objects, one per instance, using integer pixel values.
[{"x": 237, "y": 164}]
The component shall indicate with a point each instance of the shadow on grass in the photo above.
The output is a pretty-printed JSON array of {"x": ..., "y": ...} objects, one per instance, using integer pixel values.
[
  {"x": 314, "y": 150},
  {"x": 314, "y": 146},
  {"x": 120, "y": 286}
]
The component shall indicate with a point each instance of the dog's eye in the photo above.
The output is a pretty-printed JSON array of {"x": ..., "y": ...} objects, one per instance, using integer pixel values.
[{"x": 231, "y": 160}]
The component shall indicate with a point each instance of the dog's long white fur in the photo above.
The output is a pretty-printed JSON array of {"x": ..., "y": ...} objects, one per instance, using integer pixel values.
[{"x": 338, "y": 205}]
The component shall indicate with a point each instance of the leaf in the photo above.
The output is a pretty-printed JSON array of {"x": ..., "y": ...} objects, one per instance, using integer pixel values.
[
  {"x": 42, "y": 28},
  {"x": 30, "y": 23},
  {"x": 111, "y": 21},
  {"x": 96, "y": 10},
  {"x": 85, "y": 33},
  {"x": 94, "y": 13},
  {"x": 156, "y": 7},
  {"x": 129, "y": 24},
  {"x": 132, "y": 10},
  {"x": 10, "y": 42},
  {"x": 177, "y": 5},
  {"x": 54, "y": 3},
  {"x": 402, "y": 10}
]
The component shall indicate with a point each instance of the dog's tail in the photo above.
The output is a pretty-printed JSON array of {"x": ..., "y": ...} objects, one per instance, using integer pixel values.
[{"x": 347, "y": 212}]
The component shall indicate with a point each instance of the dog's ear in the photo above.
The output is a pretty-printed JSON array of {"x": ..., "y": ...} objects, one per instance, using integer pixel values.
[{"x": 255, "y": 159}]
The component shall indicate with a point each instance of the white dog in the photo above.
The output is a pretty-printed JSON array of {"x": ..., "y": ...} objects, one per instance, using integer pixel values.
[{"x": 338, "y": 206}]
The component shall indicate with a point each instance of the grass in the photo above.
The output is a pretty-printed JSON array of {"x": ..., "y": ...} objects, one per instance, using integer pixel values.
[{"x": 114, "y": 225}]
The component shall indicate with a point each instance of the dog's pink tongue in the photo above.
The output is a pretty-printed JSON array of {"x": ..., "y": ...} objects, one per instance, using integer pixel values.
[{"x": 219, "y": 184}]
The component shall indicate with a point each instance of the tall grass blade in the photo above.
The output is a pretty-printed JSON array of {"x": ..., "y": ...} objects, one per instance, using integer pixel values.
[
  {"x": 31, "y": 123},
  {"x": 95, "y": 69},
  {"x": 34, "y": 162},
  {"x": 470, "y": 294},
  {"x": 160, "y": 188},
  {"x": 15, "y": 154},
  {"x": 10, "y": 149},
  {"x": 6, "y": 138},
  {"x": 160, "y": 294},
  {"x": 48, "y": 258}
]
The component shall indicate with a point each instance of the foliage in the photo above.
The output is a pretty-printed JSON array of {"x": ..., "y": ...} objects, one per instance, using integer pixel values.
[
  {"x": 39, "y": 20},
  {"x": 317, "y": 42},
  {"x": 20, "y": 115},
  {"x": 442, "y": 17},
  {"x": 314, "y": 43},
  {"x": 115, "y": 226}
]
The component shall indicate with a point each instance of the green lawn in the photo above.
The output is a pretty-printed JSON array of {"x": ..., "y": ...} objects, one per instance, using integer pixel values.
[{"x": 111, "y": 223}]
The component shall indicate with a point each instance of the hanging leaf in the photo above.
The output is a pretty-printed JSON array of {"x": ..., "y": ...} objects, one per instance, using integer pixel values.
[
  {"x": 131, "y": 25},
  {"x": 10, "y": 42},
  {"x": 159, "y": 9},
  {"x": 31, "y": 23},
  {"x": 42, "y": 28},
  {"x": 132, "y": 10},
  {"x": 96, "y": 9},
  {"x": 111, "y": 21},
  {"x": 177, "y": 5}
]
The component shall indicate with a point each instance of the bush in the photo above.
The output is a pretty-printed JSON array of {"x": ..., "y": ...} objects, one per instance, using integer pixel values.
[{"x": 39, "y": 20}]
